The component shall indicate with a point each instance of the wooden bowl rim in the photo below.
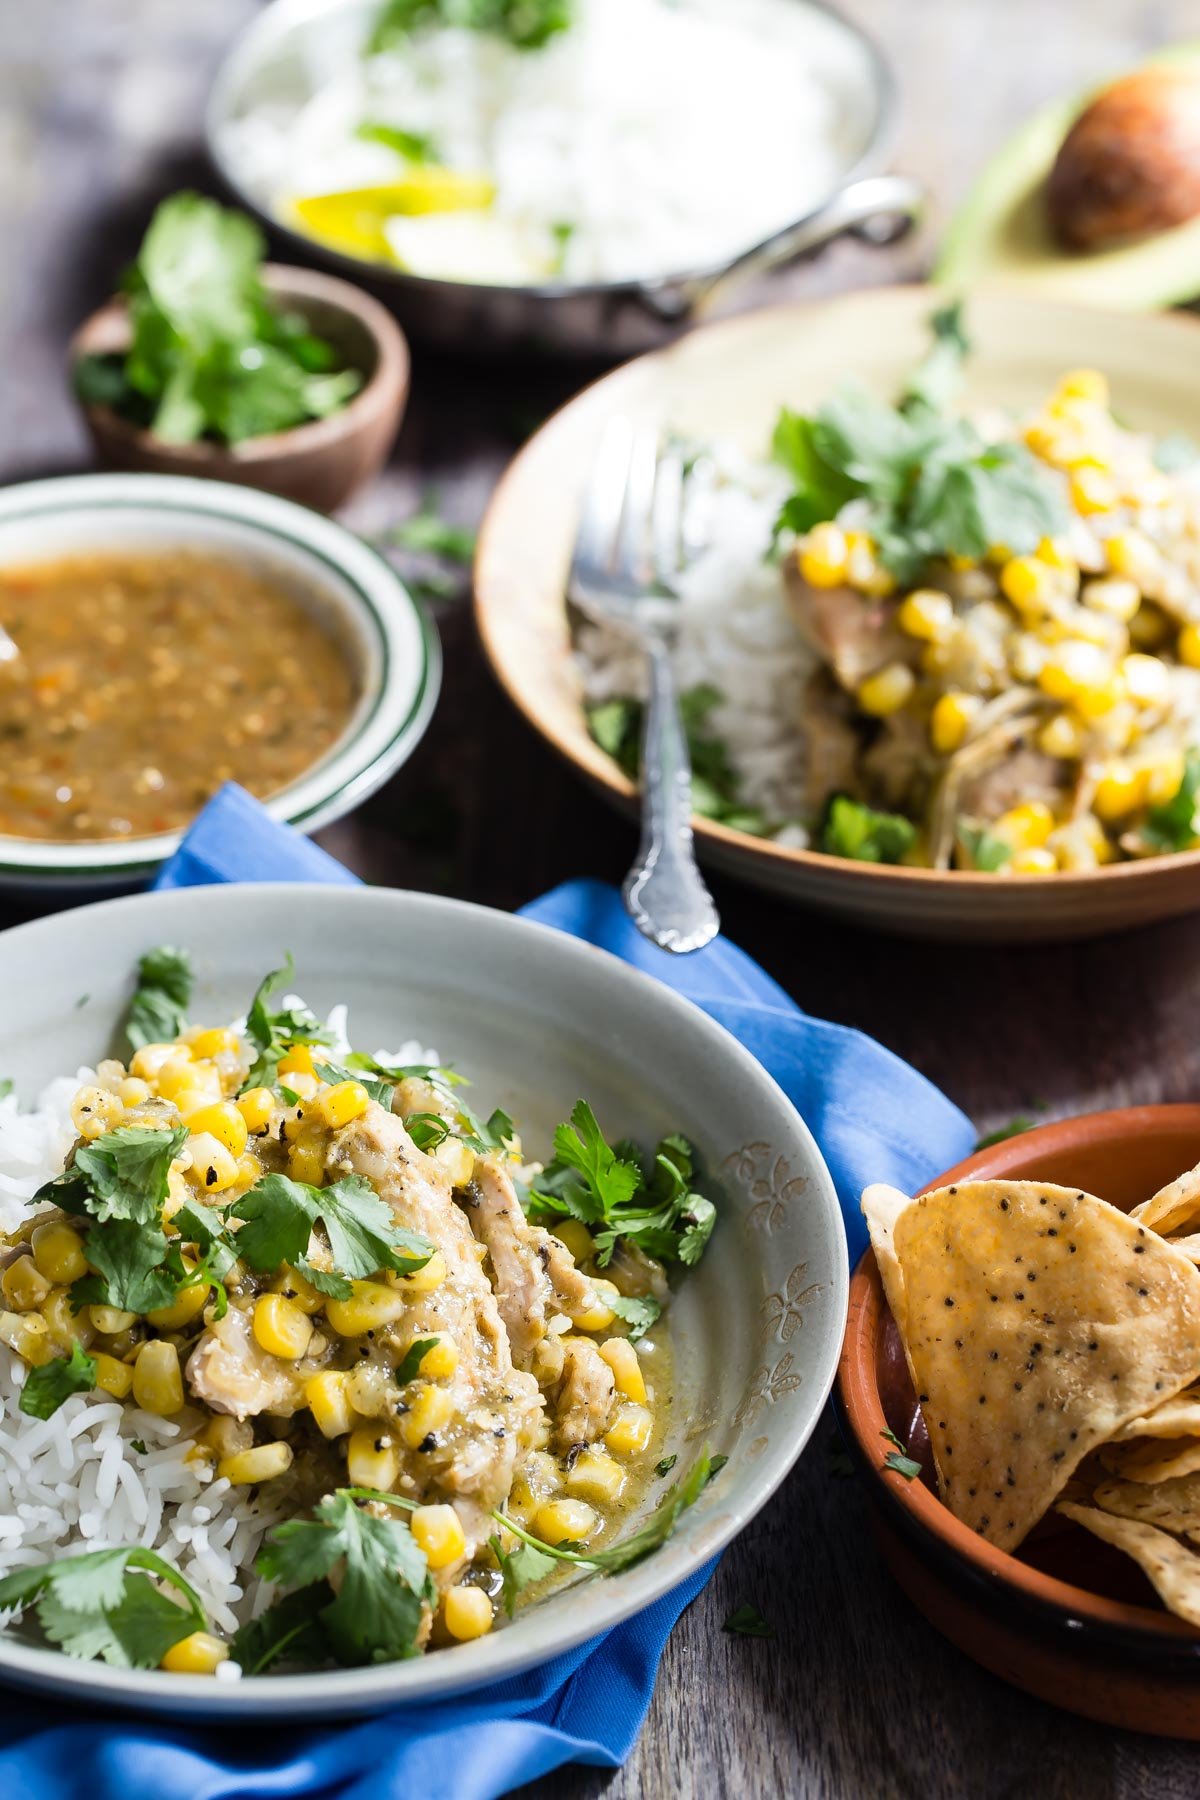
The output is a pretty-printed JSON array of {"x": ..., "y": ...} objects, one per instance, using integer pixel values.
[
  {"x": 385, "y": 388},
  {"x": 861, "y": 1405},
  {"x": 600, "y": 768}
]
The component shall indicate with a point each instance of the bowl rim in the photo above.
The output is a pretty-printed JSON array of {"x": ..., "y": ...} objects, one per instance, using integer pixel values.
[
  {"x": 915, "y": 1508},
  {"x": 387, "y": 385},
  {"x": 400, "y": 691},
  {"x": 592, "y": 762},
  {"x": 708, "y": 1527},
  {"x": 279, "y": 16}
]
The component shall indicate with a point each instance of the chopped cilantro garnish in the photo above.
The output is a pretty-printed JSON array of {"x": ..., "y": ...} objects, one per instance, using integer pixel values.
[
  {"x": 414, "y": 146},
  {"x": 639, "y": 1312},
  {"x": 858, "y": 832},
  {"x": 381, "y": 1091},
  {"x": 898, "y": 1458},
  {"x": 107, "y": 1604},
  {"x": 409, "y": 1366},
  {"x": 526, "y": 24},
  {"x": 663, "y": 1468},
  {"x": 47, "y": 1387},
  {"x": 429, "y": 534},
  {"x": 164, "y": 988},
  {"x": 521, "y": 1568},
  {"x": 1014, "y": 1128},
  {"x": 747, "y": 1621},
  {"x": 616, "y": 725},
  {"x": 278, "y": 1217},
  {"x": 6, "y": 1087},
  {"x": 985, "y": 850},
  {"x": 1175, "y": 825},
  {"x": 273, "y": 1031}
]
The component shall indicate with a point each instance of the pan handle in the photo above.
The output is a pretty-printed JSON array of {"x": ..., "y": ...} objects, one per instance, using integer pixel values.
[{"x": 881, "y": 209}]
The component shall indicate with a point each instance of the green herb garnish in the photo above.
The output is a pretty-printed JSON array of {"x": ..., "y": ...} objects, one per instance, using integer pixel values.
[
  {"x": 106, "y": 1604},
  {"x": 210, "y": 355},
  {"x": 164, "y": 988},
  {"x": 279, "y": 1215},
  {"x": 747, "y": 1621},
  {"x": 616, "y": 725},
  {"x": 898, "y": 1459},
  {"x": 639, "y": 1312},
  {"x": 1014, "y": 1128},
  {"x": 409, "y": 1366},
  {"x": 864, "y": 835},
  {"x": 428, "y": 533},
  {"x": 47, "y": 1387},
  {"x": 273, "y": 1031},
  {"x": 414, "y": 146},
  {"x": 526, "y": 24},
  {"x": 986, "y": 851},
  {"x": 1175, "y": 825}
]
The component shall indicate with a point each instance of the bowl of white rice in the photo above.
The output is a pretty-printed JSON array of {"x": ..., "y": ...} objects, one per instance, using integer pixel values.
[
  {"x": 576, "y": 175},
  {"x": 532, "y": 1017}
]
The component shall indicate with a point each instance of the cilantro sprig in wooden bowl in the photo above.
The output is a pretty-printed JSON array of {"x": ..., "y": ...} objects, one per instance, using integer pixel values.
[{"x": 214, "y": 362}]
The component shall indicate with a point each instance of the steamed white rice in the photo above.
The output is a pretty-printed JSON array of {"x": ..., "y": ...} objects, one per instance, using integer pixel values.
[
  {"x": 734, "y": 634},
  {"x": 78, "y": 1481}
]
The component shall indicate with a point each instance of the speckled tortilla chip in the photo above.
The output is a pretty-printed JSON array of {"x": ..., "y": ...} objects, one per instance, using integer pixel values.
[
  {"x": 1174, "y": 1570},
  {"x": 1174, "y": 1206},
  {"x": 1152, "y": 1459},
  {"x": 1171, "y": 1505},
  {"x": 1178, "y": 1417},
  {"x": 1188, "y": 1246},
  {"x": 882, "y": 1206},
  {"x": 1038, "y": 1319}
]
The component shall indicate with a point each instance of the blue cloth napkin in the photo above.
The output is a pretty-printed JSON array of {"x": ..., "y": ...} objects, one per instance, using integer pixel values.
[{"x": 874, "y": 1118}]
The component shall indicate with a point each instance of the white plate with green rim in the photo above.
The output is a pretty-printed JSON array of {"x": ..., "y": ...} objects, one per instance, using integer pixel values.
[
  {"x": 535, "y": 1019},
  {"x": 391, "y": 645}
]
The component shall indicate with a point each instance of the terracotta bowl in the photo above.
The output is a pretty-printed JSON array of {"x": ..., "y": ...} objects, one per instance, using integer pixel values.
[
  {"x": 1068, "y": 1619},
  {"x": 320, "y": 464}
]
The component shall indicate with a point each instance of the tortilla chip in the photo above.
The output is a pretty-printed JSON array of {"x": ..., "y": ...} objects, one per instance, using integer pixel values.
[
  {"x": 1178, "y": 1417},
  {"x": 1153, "y": 1459},
  {"x": 1171, "y": 1505},
  {"x": 1174, "y": 1570},
  {"x": 1188, "y": 1246},
  {"x": 1173, "y": 1206},
  {"x": 882, "y": 1206},
  {"x": 1038, "y": 1321}
]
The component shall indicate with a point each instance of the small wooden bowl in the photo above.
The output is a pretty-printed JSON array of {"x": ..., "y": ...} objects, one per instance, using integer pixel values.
[
  {"x": 319, "y": 464},
  {"x": 1069, "y": 1619}
]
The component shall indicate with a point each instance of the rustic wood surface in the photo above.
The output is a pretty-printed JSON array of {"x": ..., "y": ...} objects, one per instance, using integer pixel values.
[{"x": 100, "y": 113}]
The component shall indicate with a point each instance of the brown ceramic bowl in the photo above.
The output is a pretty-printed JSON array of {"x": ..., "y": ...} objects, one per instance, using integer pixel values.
[
  {"x": 320, "y": 464},
  {"x": 1068, "y": 1619}
]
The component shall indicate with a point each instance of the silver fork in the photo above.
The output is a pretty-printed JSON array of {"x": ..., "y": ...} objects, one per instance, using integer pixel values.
[{"x": 636, "y": 533}]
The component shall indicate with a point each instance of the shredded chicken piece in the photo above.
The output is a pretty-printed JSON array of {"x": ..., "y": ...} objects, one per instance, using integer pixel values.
[
  {"x": 230, "y": 1372},
  {"x": 854, "y": 633},
  {"x": 535, "y": 1273},
  {"x": 584, "y": 1397}
]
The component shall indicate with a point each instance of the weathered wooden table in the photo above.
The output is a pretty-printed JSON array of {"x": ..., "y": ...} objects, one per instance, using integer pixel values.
[{"x": 100, "y": 110}]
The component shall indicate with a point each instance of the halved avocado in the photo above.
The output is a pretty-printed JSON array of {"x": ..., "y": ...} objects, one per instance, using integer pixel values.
[{"x": 1001, "y": 234}]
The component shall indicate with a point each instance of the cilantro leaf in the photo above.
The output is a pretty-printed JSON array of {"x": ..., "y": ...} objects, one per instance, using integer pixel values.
[
  {"x": 618, "y": 1196},
  {"x": 437, "y": 1075},
  {"x": 638, "y": 1311},
  {"x": 427, "y": 532},
  {"x": 290, "y": 1628},
  {"x": 1014, "y": 1128},
  {"x": 525, "y": 24},
  {"x": 520, "y": 1568},
  {"x": 274, "y": 1031},
  {"x": 663, "y": 1468},
  {"x": 414, "y": 146},
  {"x": 164, "y": 988},
  {"x": 986, "y": 852},
  {"x": 1175, "y": 825},
  {"x": 864, "y": 835},
  {"x": 105, "y": 1604},
  {"x": 409, "y": 1366},
  {"x": 936, "y": 377},
  {"x": 120, "y": 1175},
  {"x": 47, "y": 1387},
  {"x": 427, "y": 1130},
  {"x": 616, "y": 725},
  {"x": 822, "y": 488},
  {"x": 581, "y": 1145},
  {"x": 747, "y": 1621},
  {"x": 381, "y": 1091},
  {"x": 898, "y": 1458},
  {"x": 279, "y": 1216},
  {"x": 136, "y": 1269}
]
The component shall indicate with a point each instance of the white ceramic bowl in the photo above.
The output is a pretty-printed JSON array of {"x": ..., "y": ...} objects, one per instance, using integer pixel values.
[
  {"x": 535, "y": 1019},
  {"x": 392, "y": 646}
]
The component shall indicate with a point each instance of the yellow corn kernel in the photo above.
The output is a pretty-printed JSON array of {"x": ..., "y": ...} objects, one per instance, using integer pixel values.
[
  {"x": 65, "y": 1327},
  {"x": 950, "y": 720},
  {"x": 440, "y": 1361},
  {"x": 623, "y": 1360},
  {"x": 371, "y": 1390},
  {"x": 1113, "y": 596},
  {"x": 1092, "y": 491},
  {"x": 372, "y": 1460},
  {"x": 600, "y": 1315},
  {"x": 564, "y": 1522},
  {"x": 1118, "y": 791},
  {"x": 29, "y": 1335},
  {"x": 157, "y": 1379},
  {"x": 261, "y": 1463},
  {"x": 133, "y": 1092},
  {"x": 1162, "y": 774},
  {"x": 327, "y": 1400},
  {"x": 256, "y": 1105},
  {"x": 110, "y": 1321},
  {"x": 1025, "y": 827},
  {"x": 297, "y": 1061},
  {"x": 1028, "y": 583},
  {"x": 926, "y": 613},
  {"x": 1147, "y": 681},
  {"x": 200, "y": 1653},
  {"x": 1132, "y": 554},
  {"x": 306, "y": 1161},
  {"x": 280, "y": 1328},
  {"x": 339, "y": 1105},
  {"x": 595, "y": 1476},
  {"x": 223, "y": 1121},
  {"x": 1189, "y": 646},
  {"x": 1084, "y": 384},
  {"x": 1074, "y": 669},
  {"x": 886, "y": 691},
  {"x": 180, "y": 1075},
  {"x": 112, "y": 1377},
  {"x": 295, "y": 1288},
  {"x": 370, "y": 1305},
  {"x": 467, "y": 1613},
  {"x": 426, "y": 1279},
  {"x": 456, "y": 1158},
  {"x": 823, "y": 556},
  {"x": 23, "y": 1285},
  {"x": 1061, "y": 736},
  {"x": 151, "y": 1059},
  {"x": 187, "y": 1305},
  {"x": 1034, "y": 861},
  {"x": 578, "y": 1239},
  {"x": 93, "y": 1110},
  {"x": 439, "y": 1532},
  {"x": 218, "y": 1040},
  {"x": 430, "y": 1412},
  {"x": 1055, "y": 554},
  {"x": 212, "y": 1167},
  {"x": 631, "y": 1430}
]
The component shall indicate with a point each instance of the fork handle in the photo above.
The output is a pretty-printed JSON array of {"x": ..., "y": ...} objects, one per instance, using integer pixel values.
[{"x": 664, "y": 891}]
